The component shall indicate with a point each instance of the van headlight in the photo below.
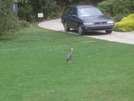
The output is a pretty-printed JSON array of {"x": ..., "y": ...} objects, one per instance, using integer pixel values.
[
  {"x": 88, "y": 23},
  {"x": 110, "y": 22}
]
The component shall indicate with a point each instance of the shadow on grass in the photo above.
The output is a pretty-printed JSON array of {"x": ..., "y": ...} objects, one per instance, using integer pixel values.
[
  {"x": 5, "y": 38},
  {"x": 96, "y": 33}
]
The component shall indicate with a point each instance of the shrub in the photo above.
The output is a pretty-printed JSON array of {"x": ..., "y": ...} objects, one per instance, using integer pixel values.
[
  {"x": 119, "y": 16},
  {"x": 25, "y": 10},
  {"x": 106, "y": 6},
  {"x": 126, "y": 24},
  {"x": 8, "y": 18},
  {"x": 24, "y": 24},
  {"x": 28, "y": 10},
  {"x": 49, "y": 8},
  {"x": 115, "y": 7}
]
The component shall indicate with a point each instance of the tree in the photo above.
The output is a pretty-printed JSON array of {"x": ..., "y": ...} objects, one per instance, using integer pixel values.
[
  {"x": 22, "y": 1},
  {"x": 115, "y": 7},
  {"x": 25, "y": 10},
  {"x": 49, "y": 8},
  {"x": 29, "y": 10},
  {"x": 8, "y": 18},
  {"x": 93, "y": 2}
]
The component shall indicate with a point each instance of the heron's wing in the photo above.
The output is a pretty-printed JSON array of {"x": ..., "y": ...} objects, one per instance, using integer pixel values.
[{"x": 69, "y": 57}]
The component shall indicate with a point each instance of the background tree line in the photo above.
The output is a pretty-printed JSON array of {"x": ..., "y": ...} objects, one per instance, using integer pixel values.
[
  {"x": 50, "y": 8},
  {"x": 28, "y": 10},
  {"x": 53, "y": 8}
]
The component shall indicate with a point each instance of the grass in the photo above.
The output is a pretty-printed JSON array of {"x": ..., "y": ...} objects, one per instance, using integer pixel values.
[{"x": 33, "y": 67}]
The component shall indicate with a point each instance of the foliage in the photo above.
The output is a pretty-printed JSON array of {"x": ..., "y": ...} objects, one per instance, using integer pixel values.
[
  {"x": 25, "y": 11},
  {"x": 49, "y": 8},
  {"x": 115, "y": 7},
  {"x": 67, "y": 2},
  {"x": 24, "y": 24},
  {"x": 23, "y": 1},
  {"x": 33, "y": 67},
  {"x": 126, "y": 24},
  {"x": 70, "y": 2},
  {"x": 119, "y": 16},
  {"x": 93, "y": 2},
  {"x": 106, "y": 6},
  {"x": 28, "y": 10},
  {"x": 8, "y": 18}
]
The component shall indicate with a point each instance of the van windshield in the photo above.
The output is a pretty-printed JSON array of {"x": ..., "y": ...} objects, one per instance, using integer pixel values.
[{"x": 82, "y": 12}]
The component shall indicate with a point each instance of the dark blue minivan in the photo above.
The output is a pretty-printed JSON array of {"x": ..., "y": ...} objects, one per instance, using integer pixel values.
[{"x": 86, "y": 18}]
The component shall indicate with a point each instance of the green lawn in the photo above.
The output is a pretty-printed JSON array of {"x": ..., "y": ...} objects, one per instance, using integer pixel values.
[{"x": 33, "y": 67}]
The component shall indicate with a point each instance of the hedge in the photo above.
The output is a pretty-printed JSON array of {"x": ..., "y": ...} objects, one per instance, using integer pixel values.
[{"x": 126, "y": 24}]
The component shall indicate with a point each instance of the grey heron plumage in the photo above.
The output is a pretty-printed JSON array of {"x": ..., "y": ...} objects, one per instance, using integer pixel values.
[{"x": 69, "y": 57}]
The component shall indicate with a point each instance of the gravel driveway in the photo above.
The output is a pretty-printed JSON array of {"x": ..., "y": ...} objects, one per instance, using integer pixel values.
[{"x": 122, "y": 37}]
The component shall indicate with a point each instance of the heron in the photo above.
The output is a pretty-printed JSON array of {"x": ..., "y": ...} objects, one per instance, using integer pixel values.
[{"x": 69, "y": 56}]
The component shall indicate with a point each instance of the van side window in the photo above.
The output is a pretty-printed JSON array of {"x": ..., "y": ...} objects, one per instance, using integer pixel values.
[
  {"x": 67, "y": 10},
  {"x": 72, "y": 11}
]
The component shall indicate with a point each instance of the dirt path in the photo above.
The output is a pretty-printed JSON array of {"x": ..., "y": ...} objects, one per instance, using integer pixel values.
[{"x": 122, "y": 37}]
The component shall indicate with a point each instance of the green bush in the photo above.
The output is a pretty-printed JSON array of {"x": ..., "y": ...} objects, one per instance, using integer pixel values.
[
  {"x": 119, "y": 16},
  {"x": 115, "y": 7},
  {"x": 25, "y": 11},
  {"x": 24, "y": 24},
  {"x": 8, "y": 18},
  {"x": 126, "y": 24},
  {"x": 29, "y": 10},
  {"x": 106, "y": 6}
]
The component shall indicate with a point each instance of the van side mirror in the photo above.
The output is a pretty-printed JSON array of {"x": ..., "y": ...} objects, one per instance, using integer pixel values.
[
  {"x": 104, "y": 13},
  {"x": 74, "y": 15}
]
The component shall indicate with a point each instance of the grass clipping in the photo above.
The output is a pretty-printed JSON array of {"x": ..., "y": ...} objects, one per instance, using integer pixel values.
[{"x": 126, "y": 24}]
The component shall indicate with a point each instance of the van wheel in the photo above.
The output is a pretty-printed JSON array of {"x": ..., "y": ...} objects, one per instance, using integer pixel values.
[
  {"x": 66, "y": 27},
  {"x": 80, "y": 30}
]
